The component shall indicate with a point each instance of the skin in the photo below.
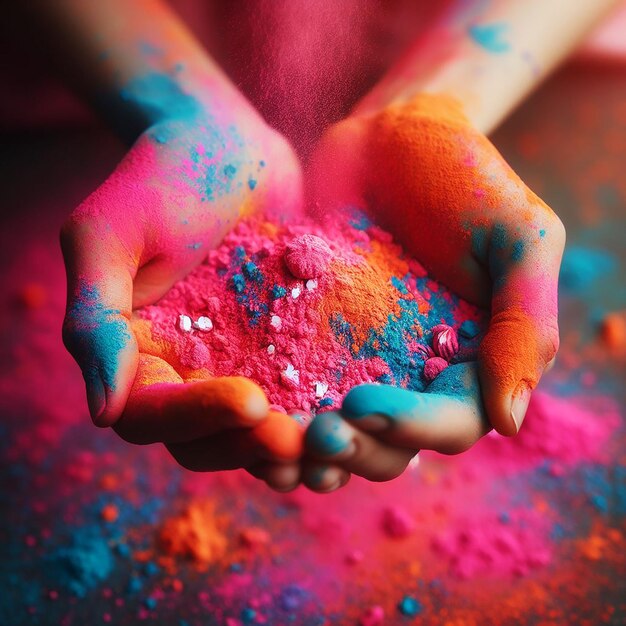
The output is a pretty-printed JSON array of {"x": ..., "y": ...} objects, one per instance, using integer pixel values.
[
  {"x": 156, "y": 216},
  {"x": 459, "y": 81},
  {"x": 200, "y": 157},
  {"x": 518, "y": 285}
]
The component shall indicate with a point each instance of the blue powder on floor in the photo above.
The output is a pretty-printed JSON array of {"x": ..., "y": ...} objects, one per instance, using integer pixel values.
[
  {"x": 82, "y": 564},
  {"x": 409, "y": 606},
  {"x": 291, "y": 598},
  {"x": 582, "y": 267}
]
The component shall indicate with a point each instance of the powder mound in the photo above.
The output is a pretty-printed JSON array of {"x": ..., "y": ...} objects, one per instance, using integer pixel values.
[
  {"x": 307, "y": 256},
  {"x": 197, "y": 533},
  {"x": 368, "y": 317},
  {"x": 83, "y": 564}
]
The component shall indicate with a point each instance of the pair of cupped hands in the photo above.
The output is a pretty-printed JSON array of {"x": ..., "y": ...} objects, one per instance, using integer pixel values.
[{"x": 424, "y": 173}]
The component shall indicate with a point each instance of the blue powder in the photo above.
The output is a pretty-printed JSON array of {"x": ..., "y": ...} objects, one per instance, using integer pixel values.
[
  {"x": 490, "y": 37},
  {"x": 252, "y": 272},
  {"x": 469, "y": 329},
  {"x": 150, "y": 603},
  {"x": 327, "y": 434},
  {"x": 291, "y": 598},
  {"x": 122, "y": 550},
  {"x": 582, "y": 267},
  {"x": 360, "y": 221},
  {"x": 230, "y": 171},
  {"x": 151, "y": 569},
  {"x": 460, "y": 380},
  {"x": 238, "y": 283},
  {"x": 251, "y": 184},
  {"x": 409, "y": 606},
  {"x": 278, "y": 292},
  {"x": 97, "y": 336},
  {"x": 157, "y": 97},
  {"x": 248, "y": 616},
  {"x": 83, "y": 564},
  {"x": 518, "y": 251}
]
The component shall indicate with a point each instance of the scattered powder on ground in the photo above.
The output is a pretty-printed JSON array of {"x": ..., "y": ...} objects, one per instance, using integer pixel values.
[{"x": 197, "y": 533}]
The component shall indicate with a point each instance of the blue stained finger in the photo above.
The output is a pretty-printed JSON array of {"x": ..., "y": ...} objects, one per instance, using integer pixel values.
[
  {"x": 393, "y": 402},
  {"x": 328, "y": 434},
  {"x": 97, "y": 335}
]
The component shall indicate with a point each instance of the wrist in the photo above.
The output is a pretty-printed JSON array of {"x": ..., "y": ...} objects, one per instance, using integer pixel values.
[{"x": 157, "y": 98}]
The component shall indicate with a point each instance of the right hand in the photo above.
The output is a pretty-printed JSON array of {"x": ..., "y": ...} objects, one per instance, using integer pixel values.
[{"x": 177, "y": 192}]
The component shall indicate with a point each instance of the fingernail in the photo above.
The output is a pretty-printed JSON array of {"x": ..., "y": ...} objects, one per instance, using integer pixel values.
[
  {"x": 329, "y": 435},
  {"x": 327, "y": 478},
  {"x": 519, "y": 405},
  {"x": 374, "y": 423},
  {"x": 96, "y": 398}
]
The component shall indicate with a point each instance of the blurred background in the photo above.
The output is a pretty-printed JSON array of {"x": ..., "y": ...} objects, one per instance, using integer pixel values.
[{"x": 525, "y": 531}]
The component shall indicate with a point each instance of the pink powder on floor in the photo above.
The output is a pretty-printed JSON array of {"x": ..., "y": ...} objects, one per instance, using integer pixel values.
[
  {"x": 562, "y": 431},
  {"x": 513, "y": 545},
  {"x": 362, "y": 313}
]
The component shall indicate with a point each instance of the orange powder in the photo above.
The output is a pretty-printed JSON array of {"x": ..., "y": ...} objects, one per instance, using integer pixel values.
[{"x": 197, "y": 533}]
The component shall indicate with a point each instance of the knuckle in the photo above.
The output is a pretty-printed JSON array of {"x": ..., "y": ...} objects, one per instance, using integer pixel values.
[
  {"x": 557, "y": 231},
  {"x": 551, "y": 340}
]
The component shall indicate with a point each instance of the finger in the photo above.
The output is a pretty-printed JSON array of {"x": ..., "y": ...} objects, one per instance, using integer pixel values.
[
  {"x": 279, "y": 477},
  {"x": 96, "y": 329},
  {"x": 280, "y": 437},
  {"x": 323, "y": 478},
  {"x": 331, "y": 439},
  {"x": 162, "y": 408},
  {"x": 448, "y": 417},
  {"x": 523, "y": 335},
  {"x": 227, "y": 450},
  {"x": 235, "y": 449}
]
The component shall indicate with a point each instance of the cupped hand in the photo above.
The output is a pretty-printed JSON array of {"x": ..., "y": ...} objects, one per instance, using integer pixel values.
[
  {"x": 182, "y": 185},
  {"x": 451, "y": 200}
]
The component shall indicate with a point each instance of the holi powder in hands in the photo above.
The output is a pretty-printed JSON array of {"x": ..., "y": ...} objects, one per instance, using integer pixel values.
[{"x": 308, "y": 311}]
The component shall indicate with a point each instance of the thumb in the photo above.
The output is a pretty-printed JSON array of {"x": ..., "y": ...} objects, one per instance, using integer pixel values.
[
  {"x": 96, "y": 329},
  {"x": 523, "y": 335}
]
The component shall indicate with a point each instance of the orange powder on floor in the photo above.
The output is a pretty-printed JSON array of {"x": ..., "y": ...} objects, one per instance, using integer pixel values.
[{"x": 197, "y": 533}]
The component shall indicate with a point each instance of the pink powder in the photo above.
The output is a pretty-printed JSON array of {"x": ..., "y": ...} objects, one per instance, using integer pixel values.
[
  {"x": 366, "y": 318},
  {"x": 397, "y": 522},
  {"x": 307, "y": 256},
  {"x": 564, "y": 431},
  {"x": 482, "y": 546}
]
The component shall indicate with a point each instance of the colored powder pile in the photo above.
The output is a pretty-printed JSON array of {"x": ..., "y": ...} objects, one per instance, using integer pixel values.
[
  {"x": 556, "y": 430},
  {"x": 197, "y": 533},
  {"x": 83, "y": 564},
  {"x": 308, "y": 311},
  {"x": 504, "y": 548}
]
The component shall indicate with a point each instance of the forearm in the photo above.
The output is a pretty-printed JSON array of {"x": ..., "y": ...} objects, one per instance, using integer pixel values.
[
  {"x": 488, "y": 55},
  {"x": 135, "y": 61}
]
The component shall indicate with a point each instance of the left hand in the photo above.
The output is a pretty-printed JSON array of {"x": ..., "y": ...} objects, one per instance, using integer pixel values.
[{"x": 451, "y": 200}]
